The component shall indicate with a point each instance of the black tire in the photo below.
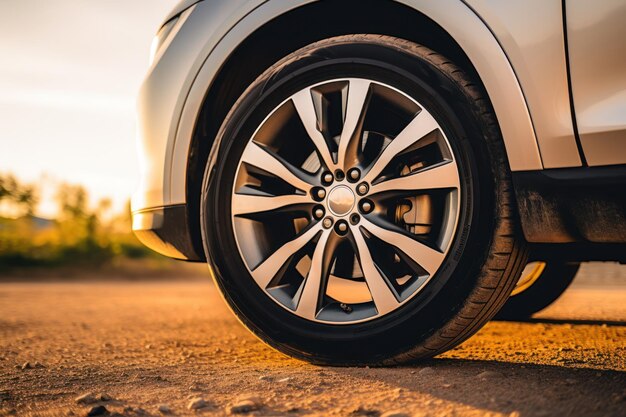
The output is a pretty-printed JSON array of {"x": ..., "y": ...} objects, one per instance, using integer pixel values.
[
  {"x": 555, "y": 278},
  {"x": 485, "y": 257}
]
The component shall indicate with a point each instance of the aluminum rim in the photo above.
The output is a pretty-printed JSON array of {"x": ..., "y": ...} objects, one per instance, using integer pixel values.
[
  {"x": 345, "y": 201},
  {"x": 530, "y": 275}
]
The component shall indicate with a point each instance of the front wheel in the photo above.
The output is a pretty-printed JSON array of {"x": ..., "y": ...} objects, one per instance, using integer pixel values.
[{"x": 359, "y": 208}]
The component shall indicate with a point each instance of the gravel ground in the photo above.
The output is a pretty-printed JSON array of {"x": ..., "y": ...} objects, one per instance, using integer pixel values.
[{"x": 173, "y": 348}]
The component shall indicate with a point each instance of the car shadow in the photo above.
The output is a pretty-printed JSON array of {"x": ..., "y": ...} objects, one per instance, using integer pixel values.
[
  {"x": 490, "y": 386},
  {"x": 541, "y": 367},
  {"x": 569, "y": 321}
]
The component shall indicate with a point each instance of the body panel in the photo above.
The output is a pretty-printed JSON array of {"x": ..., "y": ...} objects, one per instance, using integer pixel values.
[
  {"x": 597, "y": 52},
  {"x": 164, "y": 91},
  {"x": 463, "y": 24},
  {"x": 531, "y": 34},
  {"x": 178, "y": 9},
  {"x": 176, "y": 84}
]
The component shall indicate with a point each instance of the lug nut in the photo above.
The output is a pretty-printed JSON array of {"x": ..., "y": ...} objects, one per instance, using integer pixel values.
[
  {"x": 366, "y": 206},
  {"x": 318, "y": 213},
  {"x": 327, "y": 223},
  {"x": 354, "y": 219},
  {"x": 339, "y": 175},
  {"x": 362, "y": 189},
  {"x": 327, "y": 178},
  {"x": 341, "y": 227},
  {"x": 354, "y": 174},
  {"x": 318, "y": 193}
]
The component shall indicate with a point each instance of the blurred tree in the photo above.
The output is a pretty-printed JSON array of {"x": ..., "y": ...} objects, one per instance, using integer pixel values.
[
  {"x": 21, "y": 199},
  {"x": 80, "y": 235}
]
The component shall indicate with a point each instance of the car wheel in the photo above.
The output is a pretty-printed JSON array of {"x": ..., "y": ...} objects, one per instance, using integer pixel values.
[
  {"x": 541, "y": 284},
  {"x": 357, "y": 208}
]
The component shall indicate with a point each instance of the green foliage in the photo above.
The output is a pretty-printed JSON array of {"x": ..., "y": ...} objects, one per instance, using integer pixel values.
[
  {"x": 22, "y": 197},
  {"x": 79, "y": 234}
]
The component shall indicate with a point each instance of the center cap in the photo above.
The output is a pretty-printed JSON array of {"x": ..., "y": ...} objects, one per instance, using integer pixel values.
[{"x": 341, "y": 200}]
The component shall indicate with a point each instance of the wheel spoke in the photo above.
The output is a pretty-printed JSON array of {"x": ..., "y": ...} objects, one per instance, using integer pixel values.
[
  {"x": 249, "y": 204},
  {"x": 420, "y": 126},
  {"x": 443, "y": 175},
  {"x": 268, "y": 269},
  {"x": 428, "y": 258},
  {"x": 261, "y": 158},
  {"x": 310, "y": 292},
  {"x": 303, "y": 103},
  {"x": 383, "y": 296},
  {"x": 358, "y": 91}
]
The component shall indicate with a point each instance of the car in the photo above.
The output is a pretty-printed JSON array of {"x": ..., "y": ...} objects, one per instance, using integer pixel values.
[{"x": 367, "y": 180}]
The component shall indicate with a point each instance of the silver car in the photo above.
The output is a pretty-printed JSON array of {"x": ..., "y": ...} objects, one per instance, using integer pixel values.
[{"x": 367, "y": 180}]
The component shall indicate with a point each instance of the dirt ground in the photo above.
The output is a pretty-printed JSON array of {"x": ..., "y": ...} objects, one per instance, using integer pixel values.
[{"x": 173, "y": 348}]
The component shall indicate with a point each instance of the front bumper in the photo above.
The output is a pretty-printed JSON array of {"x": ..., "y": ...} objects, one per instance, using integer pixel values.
[{"x": 165, "y": 230}]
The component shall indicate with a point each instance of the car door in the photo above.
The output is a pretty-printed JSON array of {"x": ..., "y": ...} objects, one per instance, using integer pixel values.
[{"x": 596, "y": 32}]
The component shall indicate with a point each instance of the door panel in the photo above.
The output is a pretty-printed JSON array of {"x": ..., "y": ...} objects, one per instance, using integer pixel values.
[{"x": 596, "y": 33}]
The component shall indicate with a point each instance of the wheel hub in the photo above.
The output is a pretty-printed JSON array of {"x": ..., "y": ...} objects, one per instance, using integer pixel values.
[{"x": 341, "y": 200}]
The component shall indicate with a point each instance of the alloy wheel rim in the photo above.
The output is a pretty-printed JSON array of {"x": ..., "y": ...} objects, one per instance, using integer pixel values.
[
  {"x": 345, "y": 201},
  {"x": 530, "y": 275}
]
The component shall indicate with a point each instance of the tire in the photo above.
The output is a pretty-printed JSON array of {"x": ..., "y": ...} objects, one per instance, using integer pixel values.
[
  {"x": 534, "y": 293},
  {"x": 472, "y": 263}
]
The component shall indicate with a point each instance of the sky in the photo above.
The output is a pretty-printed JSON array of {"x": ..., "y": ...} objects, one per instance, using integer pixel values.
[{"x": 69, "y": 74}]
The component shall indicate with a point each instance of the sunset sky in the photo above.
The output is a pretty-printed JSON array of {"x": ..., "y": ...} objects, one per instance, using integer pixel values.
[{"x": 69, "y": 74}]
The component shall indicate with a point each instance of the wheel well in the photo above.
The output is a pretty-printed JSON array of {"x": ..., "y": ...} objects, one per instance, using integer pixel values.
[{"x": 288, "y": 33}]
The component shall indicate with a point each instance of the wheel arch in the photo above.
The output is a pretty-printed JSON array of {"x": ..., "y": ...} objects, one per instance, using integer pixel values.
[{"x": 448, "y": 27}]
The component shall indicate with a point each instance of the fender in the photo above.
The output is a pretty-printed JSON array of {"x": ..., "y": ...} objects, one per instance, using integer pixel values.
[{"x": 240, "y": 18}]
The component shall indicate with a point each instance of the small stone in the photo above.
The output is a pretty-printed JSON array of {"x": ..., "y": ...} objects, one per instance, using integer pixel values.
[
  {"x": 27, "y": 365},
  {"x": 362, "y": 411},
  {"x": 197, "y": 403},
  {"x": 98, "y": 410},
  {"x": 426, "y": 371},
  {"x": 105, "y": 397},
  {"x": 39, "y": 365},
  {"x": 87, "y": 398},
  {"x": 394, "y": 414},
  {"x": 245, "y": 406},
  {"x": 195, "y": 387},
  {"x": 164, "y": 409},
  {"x": 489, "y": 375},
  {"x": 287, "y": 379}
]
